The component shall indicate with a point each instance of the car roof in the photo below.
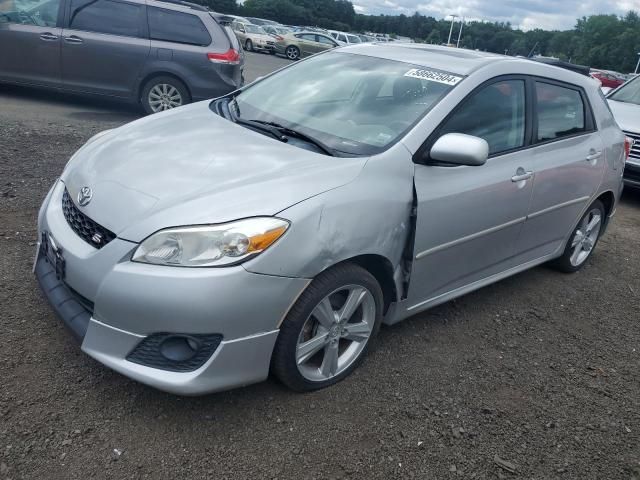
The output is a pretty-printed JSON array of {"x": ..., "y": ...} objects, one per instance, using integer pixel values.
[{"x": 462, "y": 61}]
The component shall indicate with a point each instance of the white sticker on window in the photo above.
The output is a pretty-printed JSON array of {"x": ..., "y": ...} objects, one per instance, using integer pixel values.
[{"x": 432, "y": 76}]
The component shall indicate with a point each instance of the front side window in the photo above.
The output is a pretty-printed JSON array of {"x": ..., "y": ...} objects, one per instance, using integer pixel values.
[
  {"x": 106, "y": 16},
  {"x": 628, "y": 93},
  {"x": 355, "y": 104},
  {"x": 177, "y": 27},
  {"x": 24, "y": 12},
  {"x": 254, "y": 29},
  {"x": 495, "y": 113},
  {"x": 560, "y": 112},
  {"x": 325, "y": 40}
]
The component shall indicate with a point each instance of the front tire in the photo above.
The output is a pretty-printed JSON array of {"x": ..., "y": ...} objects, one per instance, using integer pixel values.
[
  {"x": 329, "y": 330},
  {"x": 292, "y": 52},
  {"x": 248, "y": 46},
  {"x": 164, "y": 93},
  {"x": 583, "y": 240}
]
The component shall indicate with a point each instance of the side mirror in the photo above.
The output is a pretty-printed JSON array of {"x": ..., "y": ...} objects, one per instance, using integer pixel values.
[{"x": 460, "y": 149}]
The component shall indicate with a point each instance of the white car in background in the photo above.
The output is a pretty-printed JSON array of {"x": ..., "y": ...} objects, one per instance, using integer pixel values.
[
  {"x": 253, "y": 37},
  {"x": 344, "y": 38},
  {"x": 625, "y": 105}
]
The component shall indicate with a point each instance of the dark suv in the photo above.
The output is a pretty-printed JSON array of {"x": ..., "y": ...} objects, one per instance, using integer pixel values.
[{"x": 162, "y": 54}]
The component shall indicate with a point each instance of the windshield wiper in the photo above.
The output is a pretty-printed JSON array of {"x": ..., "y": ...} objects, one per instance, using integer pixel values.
[
  {"x": 256, "y": 125},
  {"x": 302, "y": 136}
]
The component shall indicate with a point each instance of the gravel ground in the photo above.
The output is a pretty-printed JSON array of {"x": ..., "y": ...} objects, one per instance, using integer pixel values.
[{"x": 535, "y": 377}]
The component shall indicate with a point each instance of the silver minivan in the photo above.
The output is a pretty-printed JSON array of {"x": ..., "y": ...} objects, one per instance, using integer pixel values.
[
  {"x": 276, "y": 228},
  {"x": 162, "y": 54}
]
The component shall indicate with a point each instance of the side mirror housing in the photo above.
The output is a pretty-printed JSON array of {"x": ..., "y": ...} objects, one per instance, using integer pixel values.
[{"x": 460, "y": 149}]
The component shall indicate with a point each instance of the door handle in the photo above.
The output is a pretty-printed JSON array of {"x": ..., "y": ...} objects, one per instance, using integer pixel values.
[
  {"x": 48, "y": 37},
  {"x": 73, "y": 39},
  {"x": 521, "y": 175},
  {"x": 594, "y": 155}
]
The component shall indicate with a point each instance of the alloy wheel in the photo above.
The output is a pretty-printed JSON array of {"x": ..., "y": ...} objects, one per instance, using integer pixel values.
[
  {"x": 336, "y": 333},
  {"x": 292, "y": 53},
  {"x": 164, "y": 97},
  {"x": 585, "y": 237}
]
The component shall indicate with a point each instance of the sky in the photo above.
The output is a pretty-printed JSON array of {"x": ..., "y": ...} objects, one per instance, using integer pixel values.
[{"x": 524, "y": 14}]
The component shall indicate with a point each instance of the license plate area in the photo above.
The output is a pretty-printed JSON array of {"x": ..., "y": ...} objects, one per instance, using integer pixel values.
[{"x": 53, "y": 254}]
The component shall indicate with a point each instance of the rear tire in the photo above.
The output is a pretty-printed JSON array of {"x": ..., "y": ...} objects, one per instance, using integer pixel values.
[
  {"x": 248, "y": 45},
  {"x": 328, "y": 331},
  {"x": 163, "y": 93},
  {"x": 583, "y": 240},
  {"x": 292, "y": 52}
]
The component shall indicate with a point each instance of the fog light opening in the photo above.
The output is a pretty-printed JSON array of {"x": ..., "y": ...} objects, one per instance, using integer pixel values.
[{"x": 178, "y": 348}]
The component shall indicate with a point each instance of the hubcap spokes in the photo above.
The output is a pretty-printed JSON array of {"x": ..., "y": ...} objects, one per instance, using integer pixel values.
[
  {"x": 164, "y": 97},
  {"x": 335, "y": 333},
  {"x": 585, "y": 237}
]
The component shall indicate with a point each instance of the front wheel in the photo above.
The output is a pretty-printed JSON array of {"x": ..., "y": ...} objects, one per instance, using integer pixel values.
[
  {"x": 328, "y": 331},
  {"x": 292, "y": 52},
  {"x": 248, "y": 46},
  {"x": 583, "y": 240}
]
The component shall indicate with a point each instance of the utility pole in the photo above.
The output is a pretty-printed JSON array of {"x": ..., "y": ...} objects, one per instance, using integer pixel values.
[
  {"x": 453, "y": 19},
  {"x": 460, "y": 33}
]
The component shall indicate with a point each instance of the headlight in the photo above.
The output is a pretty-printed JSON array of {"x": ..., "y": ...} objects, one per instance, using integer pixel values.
[{"x": 211, "y": 245}]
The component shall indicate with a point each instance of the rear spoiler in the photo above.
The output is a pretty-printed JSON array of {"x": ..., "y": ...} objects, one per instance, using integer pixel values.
[{"x": 581, "y": 69}]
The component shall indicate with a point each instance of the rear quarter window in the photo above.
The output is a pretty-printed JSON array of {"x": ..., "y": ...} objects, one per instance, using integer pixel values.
[
  {"x": 177, "y": 27},
  {"x": 561, "y": 112}
]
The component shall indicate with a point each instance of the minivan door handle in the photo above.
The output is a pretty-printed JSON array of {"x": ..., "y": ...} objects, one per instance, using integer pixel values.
[
  {"x": 73, "y": 39},
  {"x": 593, "y": 155},
  {"x": 521, "y": 175},
  {"x": 48, "y": 37}
]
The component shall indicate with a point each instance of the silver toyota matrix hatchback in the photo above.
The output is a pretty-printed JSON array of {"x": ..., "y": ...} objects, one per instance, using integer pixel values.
[{"x": 276, "y": 228}]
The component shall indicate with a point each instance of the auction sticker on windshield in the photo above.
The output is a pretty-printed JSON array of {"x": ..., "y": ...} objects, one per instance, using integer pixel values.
[{"x": 433, "y": 76}]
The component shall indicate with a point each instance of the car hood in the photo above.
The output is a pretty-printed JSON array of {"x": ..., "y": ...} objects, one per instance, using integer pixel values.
[
  {"x": 190, "y": 166},
  {"x": 259, "y": 36},
  {"x": 627, "y": 115}
]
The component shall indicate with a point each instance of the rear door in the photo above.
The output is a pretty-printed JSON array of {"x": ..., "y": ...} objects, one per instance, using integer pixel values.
[
  {"x": 569, "y": 161},
  {"x": 325, "y": 43},
  {"x": 30, "y": 37},
  {"x": 105, "y": 46}
]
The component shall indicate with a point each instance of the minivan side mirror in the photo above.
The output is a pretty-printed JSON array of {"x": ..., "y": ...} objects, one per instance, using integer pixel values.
[{"x": 460, "y": 149}]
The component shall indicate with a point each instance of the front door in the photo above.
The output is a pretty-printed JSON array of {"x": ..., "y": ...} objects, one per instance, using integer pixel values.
[
  {"x": 30, "y": 42},
  {"x": 569, "y": 163},
  {"x": 308, "y": 44},
  {"x": 103, "y": 50},
  {"x": 469, "y": 218}
]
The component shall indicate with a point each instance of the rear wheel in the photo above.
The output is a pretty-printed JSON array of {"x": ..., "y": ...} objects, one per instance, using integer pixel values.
[
  {"x": 292, "y": 52},
  {"x": 164, "y": 93},
  {"x": 583, "y": 240},
  {"x": 248, "y": 45},
  {"x": 328, "y": 331}
]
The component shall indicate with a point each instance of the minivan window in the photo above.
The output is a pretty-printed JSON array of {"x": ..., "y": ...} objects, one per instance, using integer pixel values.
[
  {"x": 495, "y": 113},
  {"x": 106, "y": 16},
  {"x": 560, "y": 112},
  {"x": 44, "y": 14},
  {"x": 628, "y": 93},
  {"x": 177, "y": 27}
]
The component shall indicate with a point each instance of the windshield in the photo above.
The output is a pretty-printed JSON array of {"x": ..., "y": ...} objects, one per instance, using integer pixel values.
[
  {"x": 253, "y": 29},
  {"x": 282, "y": 30},
  {"x": 629, "y": 93},
  {"x": 354, "y": 104},
  {"x": 353, "y": 39}
]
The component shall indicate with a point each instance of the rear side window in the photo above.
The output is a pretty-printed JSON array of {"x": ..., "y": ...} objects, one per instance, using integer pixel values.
[
  {"x": 177, "y": 27},
  {"x": 42, "y": 14},
  {"x": 106, "y": 16},
  {"x": 560, "y": 112},
  {"x": 495, "y": 113}
]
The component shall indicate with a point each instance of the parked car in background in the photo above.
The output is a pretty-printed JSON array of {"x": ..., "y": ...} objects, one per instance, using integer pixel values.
[
  {"x": 625, "y": 104},
  {"x": 302, "y": 44},
  {"x": 253, "y": 37},
  {"x": 276, "y": 30},
  {"x": 607, "y": 79},
  {"x": 160, "y": 54},
  {"x": 345, "y": 38},
  {"x": 359, "y": 187},
  {"x": 261, "y": 21},
  {"x": 367, "y": 38}
]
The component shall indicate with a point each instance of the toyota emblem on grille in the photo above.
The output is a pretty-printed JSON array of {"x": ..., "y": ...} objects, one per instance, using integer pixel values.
[{"x": 84, "y": 196}]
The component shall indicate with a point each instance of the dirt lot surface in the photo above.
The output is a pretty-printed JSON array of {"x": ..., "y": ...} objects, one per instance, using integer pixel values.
[{"x": 536, "y": 377}]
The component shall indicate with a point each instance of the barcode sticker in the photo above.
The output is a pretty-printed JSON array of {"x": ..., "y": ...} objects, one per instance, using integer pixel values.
[{"x": 432, "y": 76}]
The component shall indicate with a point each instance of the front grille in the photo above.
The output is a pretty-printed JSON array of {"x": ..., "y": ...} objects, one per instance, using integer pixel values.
[
  {"x": 95, "y": 235},
  {"x": 635, "y": 149},
  {"x": 269, "y": 42}
]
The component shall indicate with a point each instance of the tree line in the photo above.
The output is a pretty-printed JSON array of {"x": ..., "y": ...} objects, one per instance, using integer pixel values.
[{"x": 599, "y": 41}]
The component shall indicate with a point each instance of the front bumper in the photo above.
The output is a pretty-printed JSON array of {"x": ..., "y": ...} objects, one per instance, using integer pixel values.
[
  {"x": 111, "y": 304},
  {"x": 632, "y": 173}
]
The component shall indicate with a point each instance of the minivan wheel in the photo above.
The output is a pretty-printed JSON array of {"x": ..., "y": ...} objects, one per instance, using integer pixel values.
[
  {"x": 248, "y": 46},
  {"x": 292, "y": 52},
  {"x": 164, "y": 93},
  {"x": 328, "y": 331},
  {"x": 583, "y": 240}
]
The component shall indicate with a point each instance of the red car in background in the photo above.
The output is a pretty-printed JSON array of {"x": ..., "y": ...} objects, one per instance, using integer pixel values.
[{"x": 607, "y": 79}]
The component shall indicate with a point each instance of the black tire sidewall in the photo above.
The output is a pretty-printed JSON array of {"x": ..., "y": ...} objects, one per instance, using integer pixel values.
[
  {"x": 283, "y": 363},
  {"x": 295, "y": 49},
  {"x": 248, "y": 45},
  {"x": 563, "y": 263},
  {"x": 180, "y": 86}
]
